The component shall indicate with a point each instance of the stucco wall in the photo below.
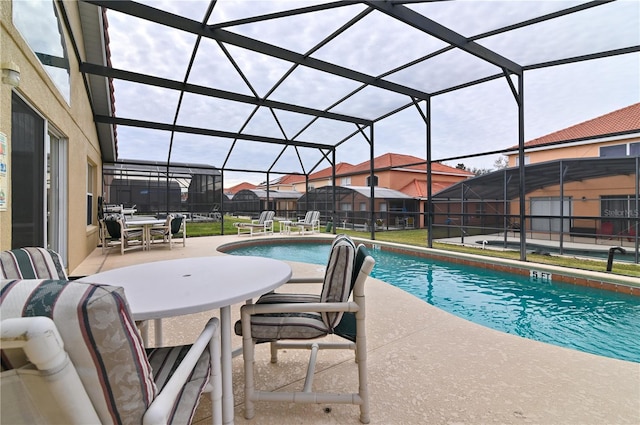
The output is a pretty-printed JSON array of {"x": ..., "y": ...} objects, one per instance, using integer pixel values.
[
  {"x": 577, "y": 150},
  {"x": 74, "y": 121}
]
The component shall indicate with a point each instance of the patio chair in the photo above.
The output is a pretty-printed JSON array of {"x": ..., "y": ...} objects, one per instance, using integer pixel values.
[
  {"x": 179, "y": 226},
  {"x": 71, "y": 354},
  {"x": 119, "y": 234},
  {"x": 174, "y": 225},
  {"x": 311, "y": 222},
  {"x": 31, "y": 263},
  {"x": 277, "y": 317},
  {"x": 163, "y": 231},
  {"x": 264, "y": 224}
]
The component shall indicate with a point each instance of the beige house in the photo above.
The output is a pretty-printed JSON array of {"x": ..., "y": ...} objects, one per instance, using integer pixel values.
[
  {"x": 581, "y": 182},
  {"x": 615, "y": 134},
  {"x": 404, "y": 173},
  {"x": 51, "y": 151},
  {"x": 602, "y": 206}
]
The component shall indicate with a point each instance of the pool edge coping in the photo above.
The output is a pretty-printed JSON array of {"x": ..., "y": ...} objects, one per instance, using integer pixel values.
[{"x": 616, "y": 283}]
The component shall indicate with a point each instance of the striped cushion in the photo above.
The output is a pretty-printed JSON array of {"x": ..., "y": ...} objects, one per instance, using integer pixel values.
[
  {"x": 164, "y": 362},
  {"x": 278, "y": 298},
  {"x": 272, "y": 327},
  {"x": 99, "y": 335},
  {"x": 338, "y": 277},
  {"x": 31, "y": 263}
]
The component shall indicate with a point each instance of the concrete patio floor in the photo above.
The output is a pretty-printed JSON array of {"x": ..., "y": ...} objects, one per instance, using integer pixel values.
[{"x": 425, "y": 365}]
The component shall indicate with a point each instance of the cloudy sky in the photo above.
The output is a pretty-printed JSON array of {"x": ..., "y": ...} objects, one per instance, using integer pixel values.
[{"x": 468, "y": 121}]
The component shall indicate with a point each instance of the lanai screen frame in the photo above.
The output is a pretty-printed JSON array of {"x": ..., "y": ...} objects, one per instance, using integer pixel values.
[{"x": 419, "y": 99}]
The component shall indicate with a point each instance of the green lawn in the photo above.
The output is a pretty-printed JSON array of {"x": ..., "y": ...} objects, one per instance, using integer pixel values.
[{"x": 418, "y": 237}]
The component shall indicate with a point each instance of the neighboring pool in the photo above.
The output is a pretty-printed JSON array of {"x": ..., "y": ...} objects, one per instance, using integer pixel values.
[
  {"x": 582, "y": 318},
  {"x": 628, "y": 257}
]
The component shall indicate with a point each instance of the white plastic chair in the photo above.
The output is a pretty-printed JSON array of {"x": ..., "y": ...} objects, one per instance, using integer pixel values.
[
  {"x": 278, "y": 317},
  {"x": 263, "y": 225},
  {"x": 311, "y": 222},
  {"x": 72, "y": 355}
]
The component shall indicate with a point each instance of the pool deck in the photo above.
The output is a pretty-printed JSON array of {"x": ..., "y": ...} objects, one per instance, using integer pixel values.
[{"x": 425, "y": 365}]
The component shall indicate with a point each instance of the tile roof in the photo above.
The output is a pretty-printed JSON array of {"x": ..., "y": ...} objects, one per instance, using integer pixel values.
[
  {"x": 418, "y": 188},
  {"x": 241, "y": 186},
  {"x": 396, "y": 160},
  {"x": 342, "y": 168},
  {"x": 384, "y": 161},
  {"x": 620, "y": 121}
]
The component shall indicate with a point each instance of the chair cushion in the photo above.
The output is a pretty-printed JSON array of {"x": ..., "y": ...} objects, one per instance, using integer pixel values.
[
  {"x": 279, "y": 298},
  {"x": 163, "y": 362},
  {"x": 277, "y": 326},
  {"x": 99, "y": 335},
  {"x": 31, "y": 263},
  {"x": 338, "y": 276},
  {"x": 112, "y": 223},
  {"x": 176, "y": 223}
]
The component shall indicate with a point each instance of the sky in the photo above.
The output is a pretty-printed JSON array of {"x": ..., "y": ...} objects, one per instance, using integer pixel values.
[{"x": 473, "y": 120}]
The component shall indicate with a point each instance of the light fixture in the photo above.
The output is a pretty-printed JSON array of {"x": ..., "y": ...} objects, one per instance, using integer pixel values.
[{"x": 10, "y": 74}]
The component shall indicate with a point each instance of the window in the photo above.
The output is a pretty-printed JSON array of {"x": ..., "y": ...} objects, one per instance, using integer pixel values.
[
  {"x": 90, "y": 182},
  {"x": 620, "y": 211},
  {"x": 345, "y": 181},
  {"x": 527, "y": 160},
  {"x": 615, "y": 151},
  {"x": 375, "y": 181},
  {"x": 38, "y": 23},
  {"x": 363, "y": 206},
  {"x": 383, "y": 207},
  {"x": 345, "y": 206},
  {"x": 634, "y": 149}
]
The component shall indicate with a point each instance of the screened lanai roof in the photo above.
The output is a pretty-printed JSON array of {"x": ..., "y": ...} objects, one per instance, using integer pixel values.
[
  {"x": 156, "y": 168},
  {"x": 505, "y": 184},
  {"x": 379, "y": 192},
  {"x": 271, "y": 194},
  {"x": 282, "y": 86}
]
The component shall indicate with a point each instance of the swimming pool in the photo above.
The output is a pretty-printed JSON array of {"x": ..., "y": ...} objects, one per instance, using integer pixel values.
[{"x": 592, "y": 320}]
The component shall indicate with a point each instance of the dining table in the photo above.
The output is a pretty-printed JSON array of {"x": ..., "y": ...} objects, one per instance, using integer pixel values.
[
  {"x": 146, "y": 224},
  {"x": 163, "y": 289}
]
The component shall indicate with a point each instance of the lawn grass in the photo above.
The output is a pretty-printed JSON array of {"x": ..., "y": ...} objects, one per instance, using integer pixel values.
[{"x": 418, "y": 237}]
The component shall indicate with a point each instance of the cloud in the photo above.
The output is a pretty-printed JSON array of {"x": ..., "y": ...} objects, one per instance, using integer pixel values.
[{"x": 476, "y": 119}]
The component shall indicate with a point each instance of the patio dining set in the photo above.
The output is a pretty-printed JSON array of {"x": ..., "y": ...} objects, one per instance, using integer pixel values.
[
  {"x": 117, "y": 229},
  {"x": 67, "y": 342}
]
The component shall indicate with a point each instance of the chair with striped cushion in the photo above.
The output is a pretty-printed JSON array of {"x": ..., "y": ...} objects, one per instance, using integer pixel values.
[
  {"x": 65, "y": 342},
  {"x": 31, "y": 263},
  {"x": 311, "y": 222},
  {"x": 339, "y": 309},
  {"x": 263, "y": 225}
]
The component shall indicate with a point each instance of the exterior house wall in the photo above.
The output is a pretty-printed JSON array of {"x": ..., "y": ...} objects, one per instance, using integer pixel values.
[
  {"x": 585, "y": 197},
  {"x": 590, "y": 149},
  {"x": 74, "y": 121}
]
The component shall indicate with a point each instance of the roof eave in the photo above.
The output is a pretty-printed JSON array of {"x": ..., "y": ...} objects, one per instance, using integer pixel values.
[{"x": 93, "y": 34}]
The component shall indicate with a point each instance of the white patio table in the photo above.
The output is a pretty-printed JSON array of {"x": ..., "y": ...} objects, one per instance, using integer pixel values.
[
  {"x": 170, "y": 288},
  {"x": 146, "y": 225}
]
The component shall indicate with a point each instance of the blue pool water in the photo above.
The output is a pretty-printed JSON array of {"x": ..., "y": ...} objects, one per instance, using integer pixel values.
[{"x": 586, "y": 319}]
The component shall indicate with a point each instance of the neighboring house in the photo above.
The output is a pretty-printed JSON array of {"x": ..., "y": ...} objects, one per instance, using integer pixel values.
[
  {"x": 404, "y": 173},
  {"x": 582, "y": 180},
  {"x": 47, "y": 124},
  {"x": 616, "y": 134},
  {"x": 230, "y": 192},
  {"x": 252, "y": 201}
]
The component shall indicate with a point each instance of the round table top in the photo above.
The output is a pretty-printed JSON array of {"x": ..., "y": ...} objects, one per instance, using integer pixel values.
[
  {"x": 191, "y": 285},
  {"x": 146, "y": 221}
]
